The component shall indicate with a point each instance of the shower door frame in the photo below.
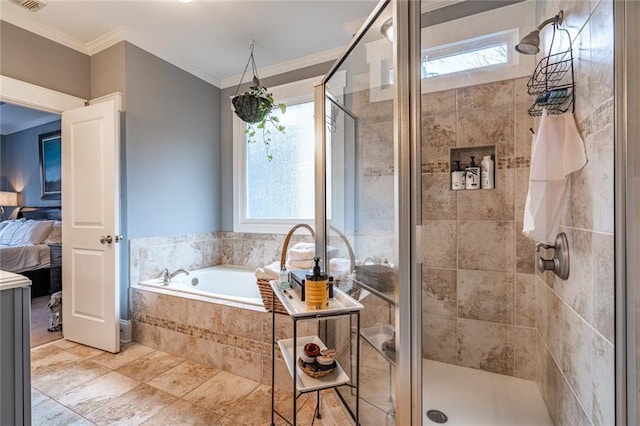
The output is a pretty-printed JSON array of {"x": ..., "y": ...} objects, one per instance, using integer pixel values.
[
  {"x": 626, "y": 15},
  {"x": 408, "y": 191}
]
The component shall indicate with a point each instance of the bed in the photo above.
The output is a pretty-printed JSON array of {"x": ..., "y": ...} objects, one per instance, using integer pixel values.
[{"x": 24, "y": 244}]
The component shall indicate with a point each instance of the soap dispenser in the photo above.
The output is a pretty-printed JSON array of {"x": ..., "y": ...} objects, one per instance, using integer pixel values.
[
  {"x": 472, "y": 180},
  {"x": 316, "y": 288},
  {"x": 457, "y": 177}
]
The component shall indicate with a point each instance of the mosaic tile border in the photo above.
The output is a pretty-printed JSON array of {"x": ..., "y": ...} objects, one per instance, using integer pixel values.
[{"x": 504, "y": 163}]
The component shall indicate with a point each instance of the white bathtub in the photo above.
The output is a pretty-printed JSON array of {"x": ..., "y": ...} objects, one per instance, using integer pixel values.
[{"x": 224, "y": 282}]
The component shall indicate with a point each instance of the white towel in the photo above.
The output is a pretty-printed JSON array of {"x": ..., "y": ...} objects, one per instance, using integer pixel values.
[
  {"x": 557, "y": 152},
  {"x": 339, "y": 268},
  {"x": 302, "y": 251},
  {"x": 269, "y": 272},
  {"x": 300, "y": 264}
]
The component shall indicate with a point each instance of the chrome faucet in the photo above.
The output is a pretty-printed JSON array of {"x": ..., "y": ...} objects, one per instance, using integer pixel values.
[
  {"x": 178, "y": 271},
  {"x": 165, "y": 277}
]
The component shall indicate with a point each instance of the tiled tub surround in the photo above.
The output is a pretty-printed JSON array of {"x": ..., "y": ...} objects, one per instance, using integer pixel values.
[
  {"x": 478, "y": 271},
  {"x": 210, "y": 332},
  {"x": 225, "y": 337}
]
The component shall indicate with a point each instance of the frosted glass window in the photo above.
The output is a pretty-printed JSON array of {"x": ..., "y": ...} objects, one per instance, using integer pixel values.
[
  {"x": 283, "y": 188},
  {"x": 465, "y": 61}
]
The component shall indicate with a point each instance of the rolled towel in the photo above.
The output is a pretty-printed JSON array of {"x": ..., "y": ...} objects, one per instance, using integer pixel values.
[
  {"x": 339, "y": 268},
  {"x": 302, "y": 251},
  {"x": 307, "y": 251},
  {"x": 300, "y": 264},
  {"x": 269, "y": 272}
]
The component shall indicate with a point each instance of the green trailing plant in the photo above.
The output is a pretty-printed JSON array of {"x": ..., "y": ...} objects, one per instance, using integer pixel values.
[{"x": 256, "y": 108}]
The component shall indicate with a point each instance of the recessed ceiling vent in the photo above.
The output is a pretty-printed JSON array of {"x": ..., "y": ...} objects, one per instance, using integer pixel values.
[{"x": 31, "y": 5}]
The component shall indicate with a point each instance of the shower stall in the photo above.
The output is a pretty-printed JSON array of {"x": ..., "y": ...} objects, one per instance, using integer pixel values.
[{"x": 459, "y": 326}]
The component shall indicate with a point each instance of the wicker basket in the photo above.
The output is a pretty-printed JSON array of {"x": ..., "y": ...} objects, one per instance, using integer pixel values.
[
  {"x": 316, "y": 374},
  {"x": 263, "y": 284},
  {"x": 251, "y": 108}
]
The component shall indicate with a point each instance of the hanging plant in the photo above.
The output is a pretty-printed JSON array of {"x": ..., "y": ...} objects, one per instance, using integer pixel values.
[{"x": 255, "y": 107}]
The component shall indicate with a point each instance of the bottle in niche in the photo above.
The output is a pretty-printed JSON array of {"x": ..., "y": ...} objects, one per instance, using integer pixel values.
[
  {"x": 457, "y": 177},
  {"x": 472, "y": 179},
  {"x": 487, "y": 173}
]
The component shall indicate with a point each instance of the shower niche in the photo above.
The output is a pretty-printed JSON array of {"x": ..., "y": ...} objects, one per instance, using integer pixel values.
[{"x": 463, "y": 158}]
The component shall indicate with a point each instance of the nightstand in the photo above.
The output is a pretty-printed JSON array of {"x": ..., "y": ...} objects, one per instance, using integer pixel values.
[{"x": 55, "y": 274}]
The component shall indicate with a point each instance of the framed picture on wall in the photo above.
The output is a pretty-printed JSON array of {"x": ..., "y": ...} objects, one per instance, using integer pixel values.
[{"x": 51, "y": 165}]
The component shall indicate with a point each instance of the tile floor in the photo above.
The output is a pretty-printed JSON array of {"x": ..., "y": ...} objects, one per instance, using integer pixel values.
[{"x": 74, "y": 384}]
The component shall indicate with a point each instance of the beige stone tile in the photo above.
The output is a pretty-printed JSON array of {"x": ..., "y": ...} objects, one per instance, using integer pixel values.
[
  {"x": 603, "y": 285},
  {"x": 485, "y": 345},
  {"x": 603, "y": 381},
  {"x": 133, "y": 407},
  {"x": 600, "y": 66},
  {"x": 556, "y": 312},
  {"x": 439, "y": 338},
  {"x": 37, "y": 397},
  {"x": 242, "y": 322},
  {"x": 255, "y": 409},
  {"x": 221, "y": 392},
  {"x": 524, "y": 122},
  {"x": 64, "y": 344},
  {"x": 487, "y": 296},
  {"x": 439, "y": 292},
  {"x": 172, "y": 308},
  {"x": 526, "y": 300},
  {"x": 489, "y": 204},
  {"x": 520, "y": 192},
  {"x": 204, "y": 315},
  {"x": 438, "y": 125},
  {"x": 440, "y": 241},
  {"x": 282, "y": 376},
  {"x": 128, "y": 352},
  {"x": 173, "y": 342},
  {"x": 525, "y": 348},
  {"x": 377, "y": 151},
  {"x": 59, "y": 378},
  {"x": 576, "y": 291},
  {"x": 486, "y": 246},
  {"x": 95, "y": 393},
  {"x": 146, "y": 334},
  {"x": 154, "y": 259},
  {"x": 144, "y": 302},
  {"x": 205, "y": 352},
  {"x": 84, "y": 352},
  {"x": 50, "y": 412},
  {"x": 576, "y": 358},
  {"x": 525, "y": 252},
  {"x": 496, "y": 94},
  {"x": 243, "y": 363},
  {"x": 188, "y": 255},
  {"x": 184, "y": 413},
  {"x": 438, "y": 199},
  {"x": 183, "y": 378},
  {"x": 490, "y": 126},
  {"x": 48, "y": 355},
  {"x": 149, "y": 366}
]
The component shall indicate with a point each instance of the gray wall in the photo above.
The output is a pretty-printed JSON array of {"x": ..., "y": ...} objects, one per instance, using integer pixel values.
[
  {"x": 108, "y": 71},
  {"x": 226, "y": 114},
  {"x": 20, "y": 166},
  {"x": 34, "y": 59},
  {"x": 172, "y": 149}
]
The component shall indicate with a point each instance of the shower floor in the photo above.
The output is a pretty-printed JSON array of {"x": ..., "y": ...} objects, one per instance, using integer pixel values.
[{"x": 474, "y": 397}]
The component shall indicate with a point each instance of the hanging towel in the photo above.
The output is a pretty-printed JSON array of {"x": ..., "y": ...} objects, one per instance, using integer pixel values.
[{"x": 557, "y": 152}]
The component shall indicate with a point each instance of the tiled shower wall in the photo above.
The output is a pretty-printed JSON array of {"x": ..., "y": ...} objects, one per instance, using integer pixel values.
[
  {"x": 575, "y": 318},
  {"x": 478, "y": 270}
]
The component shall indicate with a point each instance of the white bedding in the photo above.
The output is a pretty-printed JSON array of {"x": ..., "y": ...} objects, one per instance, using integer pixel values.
[{"x": 24, "y": 258}]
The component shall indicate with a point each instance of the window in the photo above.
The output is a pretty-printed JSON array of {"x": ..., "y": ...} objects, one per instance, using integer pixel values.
[
  {"x": 466, "y": 60},
  {"x": 271, "y": 196}
]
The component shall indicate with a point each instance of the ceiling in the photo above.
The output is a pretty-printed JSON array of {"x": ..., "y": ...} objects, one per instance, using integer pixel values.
[{"x": 208, "y": 38}]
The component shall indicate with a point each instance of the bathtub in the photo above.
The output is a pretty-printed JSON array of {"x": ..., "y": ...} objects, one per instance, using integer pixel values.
[{"x": 230, "y": 283}]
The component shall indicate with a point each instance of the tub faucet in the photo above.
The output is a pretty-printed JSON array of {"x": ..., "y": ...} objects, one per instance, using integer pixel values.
[
  {"x": 178, "y": 271},
  {"x": 165, "y": 277}
]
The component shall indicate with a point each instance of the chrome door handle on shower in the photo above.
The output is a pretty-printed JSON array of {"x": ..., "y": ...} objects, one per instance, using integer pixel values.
[
  {"x": 106, "y": 240},
  {"x": 559, "y": 264}
]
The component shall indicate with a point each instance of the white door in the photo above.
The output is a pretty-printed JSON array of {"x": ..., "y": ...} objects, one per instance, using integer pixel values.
[{"x": 90, "y": 234}]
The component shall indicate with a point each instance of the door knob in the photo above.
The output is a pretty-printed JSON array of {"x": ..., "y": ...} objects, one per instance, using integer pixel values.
[
  {"x": 119, "y": 238},
  {"x": 106, "y": 240}
]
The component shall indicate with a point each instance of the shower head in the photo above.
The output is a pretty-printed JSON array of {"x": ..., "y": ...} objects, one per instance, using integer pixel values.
[{"x": 530, "y": 44}]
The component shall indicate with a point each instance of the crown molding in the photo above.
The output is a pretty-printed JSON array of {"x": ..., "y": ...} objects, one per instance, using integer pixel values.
[
  {"x": 42, "y": 30},
  {"x": 105, "y": 41},
  {"x": 295, "y": 64},
  {"x": 437, "y": 4}
]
